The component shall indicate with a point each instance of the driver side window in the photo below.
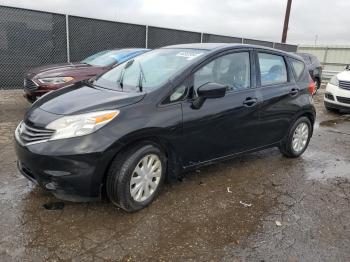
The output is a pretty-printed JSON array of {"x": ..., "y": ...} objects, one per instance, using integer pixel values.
[{"x": 232, "y": 70}]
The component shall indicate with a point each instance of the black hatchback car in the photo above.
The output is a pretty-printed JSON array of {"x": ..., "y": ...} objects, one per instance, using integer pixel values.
[{"x": 166, "y": 111}]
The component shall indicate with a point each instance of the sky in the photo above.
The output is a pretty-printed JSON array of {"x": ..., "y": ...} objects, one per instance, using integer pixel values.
[{"x": 324, "y": 20}]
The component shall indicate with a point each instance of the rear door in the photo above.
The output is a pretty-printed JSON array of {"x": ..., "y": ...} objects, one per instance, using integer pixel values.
[
  {"x": 279, "y": 96},
  {"x": 226, "y": 125}
]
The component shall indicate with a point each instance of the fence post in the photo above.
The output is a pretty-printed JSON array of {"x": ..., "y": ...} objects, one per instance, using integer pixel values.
[
  {"x": 146, "y": 36},
  {"x": 273, "y": 45},
  {"x": 201, "y": 37},
  {"x": 67, "y": 35},
  {"x": 242, "y": 40}
]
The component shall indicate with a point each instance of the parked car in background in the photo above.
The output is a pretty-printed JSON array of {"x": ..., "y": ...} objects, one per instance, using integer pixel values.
[
  {"x": 41, "y": 80},
  {"x": 315, "y": 68},
  {"x": 337, "y": 95},
  {"x": 166, "y": 111}
]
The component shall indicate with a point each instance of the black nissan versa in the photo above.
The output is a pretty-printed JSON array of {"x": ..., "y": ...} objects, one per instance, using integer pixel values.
[{"x": 166, "y": 111}]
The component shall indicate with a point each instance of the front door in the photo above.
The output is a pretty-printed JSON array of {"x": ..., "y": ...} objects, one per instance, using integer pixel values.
[{"x": 221, "y": 126}]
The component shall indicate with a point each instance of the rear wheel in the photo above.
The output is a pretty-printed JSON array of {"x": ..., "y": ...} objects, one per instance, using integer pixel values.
[
  {"x": 317, "y": 83},
  {"x": 136, "y": 177},
  {"x": 297, "y": 139}
]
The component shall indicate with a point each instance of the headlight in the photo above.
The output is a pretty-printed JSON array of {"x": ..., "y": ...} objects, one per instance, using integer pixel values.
[
  {"x": 56, "y": 80},
  {"x": 79, "y": 125},
  {"x": 334, "y": 81}
]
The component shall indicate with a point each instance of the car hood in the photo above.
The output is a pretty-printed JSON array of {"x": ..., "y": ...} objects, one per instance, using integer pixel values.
[
  {"x": 66, "y": 69},
  {"x": 81, "y": 98},
  {"x": 344, "y": 76}
]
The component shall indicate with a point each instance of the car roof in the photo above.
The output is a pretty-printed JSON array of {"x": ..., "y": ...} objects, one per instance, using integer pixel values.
[
  {"x": 129, "y": 48},
  {"x": 202, "y": 46},
  {"x": 301, "y": 53},
  {"x": 223, "y": 46}
]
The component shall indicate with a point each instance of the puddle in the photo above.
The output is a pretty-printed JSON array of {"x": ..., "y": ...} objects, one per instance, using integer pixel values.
[
  {"x": 323, "y": 166},
  {"x": 336, "y": 121},
  {"x": 339, "y": 125}
]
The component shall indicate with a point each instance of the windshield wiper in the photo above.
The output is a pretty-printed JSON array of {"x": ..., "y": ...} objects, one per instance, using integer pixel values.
[
  {"x": 141, "y": 77},
  {"x": 121, "y": 78}
]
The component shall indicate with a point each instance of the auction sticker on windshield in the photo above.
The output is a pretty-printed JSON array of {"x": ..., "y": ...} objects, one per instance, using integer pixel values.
[{"x": 189, "y": 55}]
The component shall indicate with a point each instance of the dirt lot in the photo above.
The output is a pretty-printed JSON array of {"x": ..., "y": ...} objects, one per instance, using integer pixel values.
[{"x": 260, "y": 207}]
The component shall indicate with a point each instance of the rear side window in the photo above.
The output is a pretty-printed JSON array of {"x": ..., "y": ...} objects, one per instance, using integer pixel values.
[
  {"x": 272, "y": 69},
  {"x": 298, "y": 68}
]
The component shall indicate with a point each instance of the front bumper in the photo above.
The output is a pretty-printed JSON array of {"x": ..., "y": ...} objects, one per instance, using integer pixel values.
[
  {"x": 336, "y": 97},
  {"x": 68, "y": 177}
]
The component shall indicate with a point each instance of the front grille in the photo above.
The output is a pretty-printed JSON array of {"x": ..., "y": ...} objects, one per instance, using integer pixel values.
[
  {"x": 344, "y": 84},
  {"x": 29, "y": 84},
  {"x": 329, "y": 96},
  {"x": 345, "y": 100},
  {"x": 27, "y": 134}
]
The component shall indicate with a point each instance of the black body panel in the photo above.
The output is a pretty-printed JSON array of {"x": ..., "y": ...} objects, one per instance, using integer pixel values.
[{"x": 220, "y": 128}]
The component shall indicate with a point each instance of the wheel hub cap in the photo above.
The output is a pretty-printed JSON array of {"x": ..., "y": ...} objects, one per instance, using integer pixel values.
[
  {"x": 300, "y": 137},
  {"x": 145, "y": 178}
]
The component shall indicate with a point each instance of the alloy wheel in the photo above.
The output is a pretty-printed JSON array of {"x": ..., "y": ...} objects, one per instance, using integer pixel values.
[{"x": 300, "y": 137}]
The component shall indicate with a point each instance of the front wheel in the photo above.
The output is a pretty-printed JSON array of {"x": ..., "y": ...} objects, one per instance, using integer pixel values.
[
  {"x": 135, "y": 177},
  {"x": 297, "y": 139}
]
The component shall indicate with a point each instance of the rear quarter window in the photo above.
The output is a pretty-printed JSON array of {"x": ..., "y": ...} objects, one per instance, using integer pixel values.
[{"x": 298, "y": 68}]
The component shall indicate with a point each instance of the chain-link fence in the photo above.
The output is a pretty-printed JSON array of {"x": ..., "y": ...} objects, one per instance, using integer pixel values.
[
  {"x": 88, "y": 36},
  {"x": 29, "y": 39},
  {"x": 158, "y": 37},
  {"x": 209, "y": 38}
]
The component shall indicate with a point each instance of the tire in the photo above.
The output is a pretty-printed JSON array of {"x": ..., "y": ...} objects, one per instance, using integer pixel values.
[
  {"x": 123, "y": 169},
  {"x": 286, "y": 146},
  {"x": 317, "y": 84},
  {"x": 330, "y": 109}
]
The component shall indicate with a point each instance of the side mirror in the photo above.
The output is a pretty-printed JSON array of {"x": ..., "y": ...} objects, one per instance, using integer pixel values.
[
  {"x": 208, "y": 90},
  {"x": 212, "y": 90}
]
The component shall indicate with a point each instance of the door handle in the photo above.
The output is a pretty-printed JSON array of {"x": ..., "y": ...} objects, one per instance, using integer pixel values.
[
  {"x": 294, "y": 91},
  {"x": 249, "y": 102}
]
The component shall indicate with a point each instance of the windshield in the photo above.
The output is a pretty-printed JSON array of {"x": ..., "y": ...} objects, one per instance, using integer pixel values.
[
  {"x": 148, "y": 70},
  {"x": 109, "y": 57}
]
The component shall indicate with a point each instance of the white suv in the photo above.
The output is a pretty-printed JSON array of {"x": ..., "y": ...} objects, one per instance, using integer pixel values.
[{"x": 337, "y": 94}]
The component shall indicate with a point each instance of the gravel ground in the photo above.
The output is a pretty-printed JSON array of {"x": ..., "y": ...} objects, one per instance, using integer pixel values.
[{"x": 259, "y": 207}]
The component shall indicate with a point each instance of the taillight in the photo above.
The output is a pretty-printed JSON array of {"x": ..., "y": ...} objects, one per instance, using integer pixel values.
[{"x": 312, "y": 87}]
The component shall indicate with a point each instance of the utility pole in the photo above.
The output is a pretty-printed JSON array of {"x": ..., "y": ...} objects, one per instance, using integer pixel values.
[{"x": 286, "y": 22}]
